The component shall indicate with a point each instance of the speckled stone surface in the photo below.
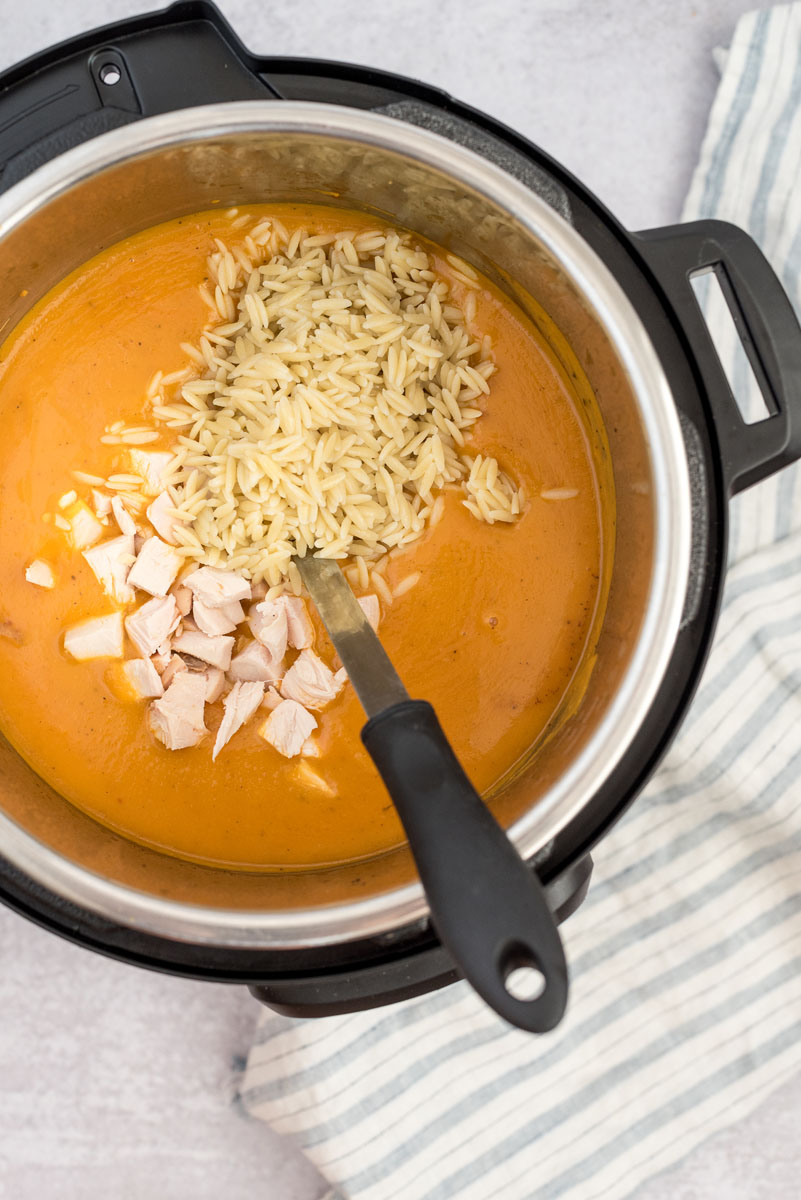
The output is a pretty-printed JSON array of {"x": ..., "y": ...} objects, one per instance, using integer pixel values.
[{"x": 116, "y": 1082}]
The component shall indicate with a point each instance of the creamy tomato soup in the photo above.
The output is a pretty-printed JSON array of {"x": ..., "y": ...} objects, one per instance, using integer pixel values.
[{"x": 492, "y": 632}]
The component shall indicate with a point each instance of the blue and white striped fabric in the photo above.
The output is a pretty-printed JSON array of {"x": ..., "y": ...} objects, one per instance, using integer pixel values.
[
  {"x": 749, "y": 174},
  {"x": 686, "y": 957}
]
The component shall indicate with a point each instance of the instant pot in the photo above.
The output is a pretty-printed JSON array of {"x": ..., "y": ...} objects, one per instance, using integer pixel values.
[{"x": 167, "y": 114}]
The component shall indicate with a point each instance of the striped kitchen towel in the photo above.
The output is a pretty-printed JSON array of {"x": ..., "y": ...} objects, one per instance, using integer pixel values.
[{"x": 686, "y": 956}]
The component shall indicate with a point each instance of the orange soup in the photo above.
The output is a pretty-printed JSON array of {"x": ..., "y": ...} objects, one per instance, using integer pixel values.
[{"x": 492, "y": 633}]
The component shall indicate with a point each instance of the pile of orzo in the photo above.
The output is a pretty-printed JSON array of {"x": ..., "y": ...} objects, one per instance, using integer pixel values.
[{"x": 331, "y": 404}]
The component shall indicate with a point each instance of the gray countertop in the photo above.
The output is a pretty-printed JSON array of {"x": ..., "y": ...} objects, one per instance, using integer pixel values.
[{"x": 118, "y": 1082}]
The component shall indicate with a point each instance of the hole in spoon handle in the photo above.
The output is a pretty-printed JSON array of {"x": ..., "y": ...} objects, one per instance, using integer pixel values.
[{"x": 522, "y": 977}]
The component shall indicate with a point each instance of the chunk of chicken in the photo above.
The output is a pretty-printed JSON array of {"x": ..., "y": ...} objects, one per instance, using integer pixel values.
[
  {"x": 99, "y": 637},
  {"x": 143, "y": 678},
  {"x": 151, "y": 625},
  {"x": 213, "y": 650},
  {"x": 271, "y": 699},
  {"x": 371, "y": 609},
  {"x": 214, "y": 621},
  {"x": 161, "y": 515},
  {"x": 300, "y": 630},
  {"x": 173, "y": 668},
  {"x": 151, "y": 465},
  {"x": 40, "y": 573},
  {"x": 85, "y": 529},
  {"x": 239, "y": 705},
  {"x": 102, "y": 504},
  {"x": 183, "y": 598},
  {"x": 155, "y": 568},
  {"x": 111, "y": 563},
  {"x": 310, "y": 682},
  {"x": 161, "y": 659},
  {"x": 268, "y": 624},
  {"x": 233, "y": 611},
  {"x": 177, "y": 718},
  {"x": 214, "y": 587},
  {"x": 288, "y": 727},
  {"x": 306, "y": 775},
  {"x": 255, "y": 664},
  {"x": 215, "y": 681},
  {"x": 124, "y": 520}
]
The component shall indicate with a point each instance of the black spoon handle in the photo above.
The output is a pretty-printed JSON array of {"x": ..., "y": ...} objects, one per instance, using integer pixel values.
[{"x": 488, "y": 907}]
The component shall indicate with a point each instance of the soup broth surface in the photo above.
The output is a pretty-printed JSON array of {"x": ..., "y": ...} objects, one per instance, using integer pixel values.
[{"x": 492, "y": 633}]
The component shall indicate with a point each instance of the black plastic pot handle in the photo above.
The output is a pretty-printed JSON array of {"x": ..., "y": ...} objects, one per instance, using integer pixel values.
[
  {"x": 155, "y": 63},
  {"x": 488, "y": 907},
  {"x": 768, "y": 329}
]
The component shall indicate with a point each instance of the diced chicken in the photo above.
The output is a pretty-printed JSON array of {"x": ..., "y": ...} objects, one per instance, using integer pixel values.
[
  {"x": 239, "y": 705},
  {"x": 173, "y": 668},
  {"x": 161, "y": 659},
  {"x": 123, "y": 517},
  {"x": 259, "y": 590},
  {"x": 183, "y": 598},
  {"x": 255, "y": 664},
  {"x": 102, "y": 504},
  {"x": 177, "y": 718},
  {"x": 310, "y": 682},
  {"x": 340, "y": 678},
  {"x": 99, "y": 637},
  {"x": 288, "y": 727},
  {"x": 215, "y": 681},
  {"x": 155, "y": 568},
  {"x": 271, "y": 699},
  {"x": 111, "y": 563},
  {"x": 233, "y": 610},
  {"x": 268, "y": 624},
  {"x": 310, "y": 748},
  {"x": 214, "y": 587},
  {"x": 85, "y": 529},
  {"x": 305, "y": 774},
  {"x": 151, "y": 625},
  {"x": 151, "y": 465},
  {"x": 371, "y": 609},
  {"x": 300, "y": 630},
  {"x": 40, "y": 573},
  {"x": 143, "y": 678},
  {"x": 214, "y": 621},
  {"x": 161, "y": 516},
  {"x": 213, "y": 650}
]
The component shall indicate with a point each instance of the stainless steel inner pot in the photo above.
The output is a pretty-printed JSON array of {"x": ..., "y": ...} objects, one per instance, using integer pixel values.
[{"x": 229, "y": 154}]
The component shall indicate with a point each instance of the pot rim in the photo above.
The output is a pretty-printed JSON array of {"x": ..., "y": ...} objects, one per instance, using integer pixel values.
[{"x": 401, "y": 907}]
